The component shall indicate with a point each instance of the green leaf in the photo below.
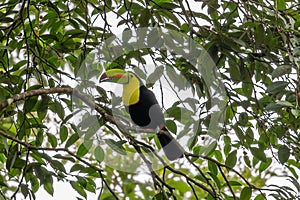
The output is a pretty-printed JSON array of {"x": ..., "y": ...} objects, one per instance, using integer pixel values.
[
  {"x": 154, "y": 39},
  {"x": 175, "y": 112},
  {"x": 246, "y": 193},
  {"x": 227, "y": 149},
  {"x": 212, "y": 167},
  {"x": 82, "y": 181},
  {"x": 280, "y": 4},
  {"x": 38, "y": 157},
  {"x": 11, "y": 157},
  {"x": 264, "y": 165},
  {"x": 63, "y": 133},
  {"x": 19, "y": 163},
  {"x": 159, "y": 196},
  {"x": 171, "y": 16},
  {"x": 49, "y": 37},
  {"x": 260, "y": 197},
  {"x": 78, "y": 33},
  {"x": 155, "y": 76},
  {"x": 186, "y": 115},
  {"x": 259, "y": 34},
  {"x": 201, "y": 178},
  {"x": 247, "y": 89},
  {"x": 99, "y": 154},
  {"x": 276, "y": 87},
  {"x": 258, "y": 153},
  {"x": 5, "y": 47},
  {"x": 273, "y": 106},
  {"x": 29, "y": 104},
  {"x": 48, "y": 185},
  {"x": 82, "y": 150},
  {"x": 59, "y": 156},
  {"x": 238, "y": 131},
  {"x": 295, "y": 112},
  {"x": 52, "y": 140},
  {"x": 176, "y": 78},
  {"x": 216, "y": 180},
  {"x": 57, "y": 108},
  {"x": 34, "y": 183},
  {"x": 39, "y": 138},
  {"x": 243, "y": 118},
  {"x": 185, "y": 28},
  {"x": 79, "y": 189},
  {"x": 108, "y": 3},
  {"x": 116, "y": 146},
  {"x": 145, "y": 17},
  {"x": 126, "y": 36},
  {"x": 58, "y": 165},
  {"x": 40, "y": 173},
  {"x": 2, "y": 182},
  {"x": 296, "y": 51},
  {"x": 283, "y": 153},
  {"x": 51, "y": 82},
  {"x": 135, "y": 8},
  {"x": 90, "y": 185},
  {"x": 218, "y": 155},
  {"x": 77, "y": 167},
  {"x": 281, "y": 70},
  {"x": 165, "y": 5},
  {"x": 88, "y": 121},
  {"x": 285, "y": 103},
  {"x": 191, "y": 142},
  {"x": 42, "y": 108},
  {"x": 206, "y": 151},
  {"x": 234, "y": 71},
  {"x": 72, "y": 140},
  {"x": 235, "y": 183},
  {"x": 280, "y": 131},
  {"x": 231, "y": 159},
  {"x": 171, "y": 126},
  {"x": 249, "y": 136}
]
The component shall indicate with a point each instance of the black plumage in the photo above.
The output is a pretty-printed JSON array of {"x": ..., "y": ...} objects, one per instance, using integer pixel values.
[{"x": 147, "y": 113}]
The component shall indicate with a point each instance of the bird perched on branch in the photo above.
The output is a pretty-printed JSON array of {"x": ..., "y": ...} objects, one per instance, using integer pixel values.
[{"x": 144, "y": 109}]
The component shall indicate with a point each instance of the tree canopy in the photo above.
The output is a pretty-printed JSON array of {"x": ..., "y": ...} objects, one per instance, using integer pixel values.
[{"x": 226, "y": 74}]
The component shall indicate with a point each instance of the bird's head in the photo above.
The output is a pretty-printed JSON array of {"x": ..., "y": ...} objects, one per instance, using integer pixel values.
[{"x": 131, "y": 84}]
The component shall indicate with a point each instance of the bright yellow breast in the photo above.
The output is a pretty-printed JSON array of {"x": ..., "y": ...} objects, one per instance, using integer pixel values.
[{"x": 131, "y": 91}]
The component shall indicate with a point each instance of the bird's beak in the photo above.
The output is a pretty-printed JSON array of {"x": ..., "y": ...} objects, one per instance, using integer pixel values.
[
  {"x": 103, "y": 77},
  {"x": 114, "y": 76}
]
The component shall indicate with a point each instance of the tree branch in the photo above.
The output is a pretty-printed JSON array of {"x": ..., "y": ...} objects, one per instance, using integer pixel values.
[{"x": 108, "y": 118}]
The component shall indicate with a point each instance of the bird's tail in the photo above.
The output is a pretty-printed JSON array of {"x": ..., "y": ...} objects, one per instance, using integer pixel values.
[{"x": 171, "y": 147}]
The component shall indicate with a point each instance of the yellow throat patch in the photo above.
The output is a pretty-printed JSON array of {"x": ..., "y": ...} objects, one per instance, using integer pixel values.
[{"x": 131, "y": 90}]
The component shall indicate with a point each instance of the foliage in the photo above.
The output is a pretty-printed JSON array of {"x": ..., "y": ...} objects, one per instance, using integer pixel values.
[{"x": 45, "y": 47}]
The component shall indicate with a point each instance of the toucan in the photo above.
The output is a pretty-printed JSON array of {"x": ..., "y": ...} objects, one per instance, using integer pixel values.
[{"x": 143, "y": 108}]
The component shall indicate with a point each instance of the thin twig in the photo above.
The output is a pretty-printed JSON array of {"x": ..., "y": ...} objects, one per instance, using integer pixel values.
[
  {"x": 23, "y": 175},
  {"x": 107, "y": 185},
  {"x": 193, "y": 189},
  {"x": 202, "y": 174},
  {"x": 227, "y": 182}
]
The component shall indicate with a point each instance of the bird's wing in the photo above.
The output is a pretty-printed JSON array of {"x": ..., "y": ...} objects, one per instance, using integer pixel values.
[
  {"x": 154, "y": 110},
  {"x": 156, "y": 116}
]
